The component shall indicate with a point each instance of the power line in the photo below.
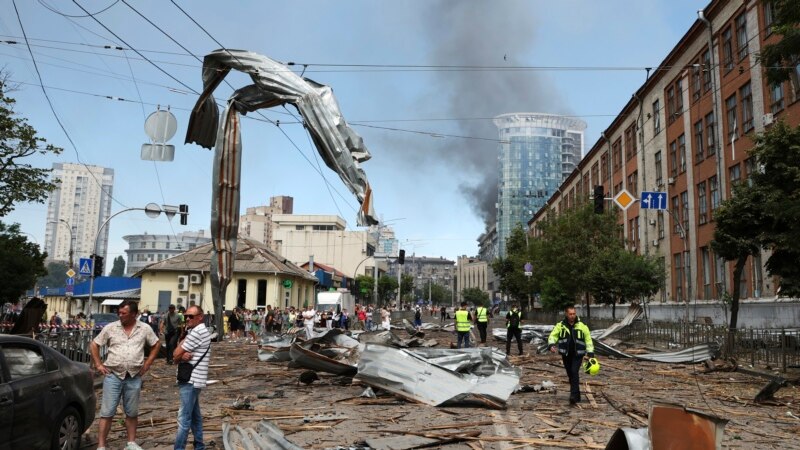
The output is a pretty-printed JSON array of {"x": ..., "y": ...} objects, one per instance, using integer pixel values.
[{"x": 41, "y": 2}]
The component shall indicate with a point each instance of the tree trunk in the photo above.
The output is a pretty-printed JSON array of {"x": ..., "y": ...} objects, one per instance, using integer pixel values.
[
  {"x": 614, "y": 308},
  {"x": 737, "y": 278},
  {"x": 588, "y": 311}
]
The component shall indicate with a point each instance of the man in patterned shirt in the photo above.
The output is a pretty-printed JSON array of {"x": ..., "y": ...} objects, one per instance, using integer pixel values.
[
  {"x": 196, "y": 350},
  {"x": 123, "y": 368}
]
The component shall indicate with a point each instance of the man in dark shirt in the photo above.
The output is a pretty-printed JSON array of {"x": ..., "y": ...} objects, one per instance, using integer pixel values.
[{"x": 513, "y": 321}]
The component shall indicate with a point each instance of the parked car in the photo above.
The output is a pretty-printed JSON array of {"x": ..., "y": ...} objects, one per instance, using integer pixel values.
[{"x": 46, "y": 400}]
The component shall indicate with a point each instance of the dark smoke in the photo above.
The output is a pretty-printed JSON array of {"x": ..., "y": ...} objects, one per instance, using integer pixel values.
[{"x": 484, "y": 33}]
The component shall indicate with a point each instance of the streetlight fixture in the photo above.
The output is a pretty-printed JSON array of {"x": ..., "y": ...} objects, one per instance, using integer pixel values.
[
  {"x": 152, "y": 211},
  {"x": 71, "y": 238}
]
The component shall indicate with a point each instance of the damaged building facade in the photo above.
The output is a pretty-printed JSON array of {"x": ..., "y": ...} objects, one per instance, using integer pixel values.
[{"x": 687, "y": 131}]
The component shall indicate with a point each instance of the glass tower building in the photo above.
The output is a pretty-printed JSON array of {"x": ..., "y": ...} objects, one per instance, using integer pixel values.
[{"x": 537, "y": 153}]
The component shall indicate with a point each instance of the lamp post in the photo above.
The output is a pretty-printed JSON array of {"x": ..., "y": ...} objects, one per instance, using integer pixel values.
[{"x": 71, "y": 238}]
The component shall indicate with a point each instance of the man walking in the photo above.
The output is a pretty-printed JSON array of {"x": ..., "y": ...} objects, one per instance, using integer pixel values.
[
  {"x": 572, "y": 338},
  {"x": 172, "y": 327},
  {"x": 513, "y": 322},
  {"x": 194, "y": 349},
  {"x": 463, "y": 325},
  {"x": 442, "y": 314},
  {"x": 123, "y": 369},
  {"x": 482, "y": 321}
]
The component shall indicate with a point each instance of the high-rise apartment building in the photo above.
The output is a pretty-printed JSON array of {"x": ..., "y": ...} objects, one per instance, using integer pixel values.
[
  {"x": 257, "y": 222},
  {"x": 76, "y": 209},
  {"x": 537, "y": 153}
]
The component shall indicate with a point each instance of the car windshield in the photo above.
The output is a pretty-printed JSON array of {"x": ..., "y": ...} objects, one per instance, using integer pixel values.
[{"x": 104, "y": 318}]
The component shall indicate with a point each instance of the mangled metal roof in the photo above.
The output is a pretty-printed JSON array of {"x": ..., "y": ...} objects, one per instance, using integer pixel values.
[{"x": 695, "y": 354}]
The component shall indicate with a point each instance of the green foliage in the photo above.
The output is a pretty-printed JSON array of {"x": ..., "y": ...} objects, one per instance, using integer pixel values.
[
  {"x": 441, "y": 295},
  {"x": 19, "y": 181},
  {"x": 387, "y": 285},
  {"x": 366, "y": 284},
  {"x": 510, "y": 269},
  {"x": 21, "y": 263},
  {"x": 56, "y": 276},
  {"x": 476, "y": 296},
  {"x": 406, "y": 287},
  {"x": 782, "y": 57},
  {"x": 119, "y": 267}
]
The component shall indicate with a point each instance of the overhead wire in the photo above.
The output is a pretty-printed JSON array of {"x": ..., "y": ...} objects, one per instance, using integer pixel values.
[
  {"x": 42, "y": 2},
  {"x": 55, "y": 114}
]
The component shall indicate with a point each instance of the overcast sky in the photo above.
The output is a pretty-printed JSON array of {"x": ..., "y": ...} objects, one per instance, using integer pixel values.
[{"x": 419, "y": 80}]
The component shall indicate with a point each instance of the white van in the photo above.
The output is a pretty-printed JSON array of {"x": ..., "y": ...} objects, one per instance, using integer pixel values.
[{"x": 336, "y": 301}]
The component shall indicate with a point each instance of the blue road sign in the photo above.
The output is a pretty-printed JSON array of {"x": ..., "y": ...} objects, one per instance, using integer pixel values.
[
  {"x": 85, "y": 266},
  {"x": 70, "y": 281},
  {"x": 653, "y": 200}
]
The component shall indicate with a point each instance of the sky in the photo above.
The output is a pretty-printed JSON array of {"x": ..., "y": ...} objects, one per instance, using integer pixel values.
[{"x": 419, "y": 80}]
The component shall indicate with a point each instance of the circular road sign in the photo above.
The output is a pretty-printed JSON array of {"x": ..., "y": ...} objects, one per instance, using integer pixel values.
[{"x": 160, "y": 126}]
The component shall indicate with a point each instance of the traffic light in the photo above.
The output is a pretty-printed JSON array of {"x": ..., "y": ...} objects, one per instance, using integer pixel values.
[
  {"x": 98, "y": 266},
  {"x": 599, "y": 199},
  {"x": 184, "y": 212},
  {"x": 402, "y": 258}
]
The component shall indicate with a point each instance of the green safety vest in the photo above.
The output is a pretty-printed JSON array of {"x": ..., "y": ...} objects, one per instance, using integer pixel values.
[
  {"x": 482, "y": 314},
  {"x": 462, "y": 320}
]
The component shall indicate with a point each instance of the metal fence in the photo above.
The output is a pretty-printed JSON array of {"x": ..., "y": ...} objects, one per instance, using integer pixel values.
[{"x": 73, "y": 344}]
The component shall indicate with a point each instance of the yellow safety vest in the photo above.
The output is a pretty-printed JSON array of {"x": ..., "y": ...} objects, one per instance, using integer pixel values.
[
  {"x": 462, "y": 320},
  {"x": 482, "y": 314}
]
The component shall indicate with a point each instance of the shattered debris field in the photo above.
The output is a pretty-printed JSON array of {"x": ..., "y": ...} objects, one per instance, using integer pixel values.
[{"x": 331, "y": 412}]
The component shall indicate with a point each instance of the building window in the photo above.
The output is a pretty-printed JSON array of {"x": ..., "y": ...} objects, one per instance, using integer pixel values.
[
  {"x": 749, "y": 167},
  {"x": 711, "y": 134},
  {"x": 706, "y": 70},
  {"x": 670, "y": 105},
  {"x": 656, "y": 116},
  {"x": 630, "y": 142},
  {"x": 616, "y": 151},
  {"x": 730, "y": 107},
  {"x": 702, "y": 204},
  {"x": 679, "y": 97},
  {"x": 696, "y": 84},
  {"x": 152, "y": 245},
  {"x": 741, "y": 35},
  {"x": 633, "y": 185},
  {"x": 676, "y": 210},
  {"x": 659, "y": 169},
  {"x": 166, "y": 245},
  {"x": 604, "y": 166},
  {"x": 776, "y": 98},
  {"x": 769, "y": 16},
  {"x": 299, "y": 227},
  {"x": 685, "y": 210},
  {"x": 660, "y": 224},
  {"x": 677, "y": 257},
  {"x": 673, "y": 159},
  {"x": 682, "y": 152},
  {"x": 261, "y": 293},
  {"x": 727, "y": 49},
  {"x": 713, "y": 188},
  {"x": 735, "y": 174},
  {"x": 699, "y": 142},
  {"x": 746, "y": 94}
]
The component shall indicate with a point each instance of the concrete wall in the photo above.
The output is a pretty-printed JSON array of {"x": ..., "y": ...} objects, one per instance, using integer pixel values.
[{"x": 783, "y": 313}]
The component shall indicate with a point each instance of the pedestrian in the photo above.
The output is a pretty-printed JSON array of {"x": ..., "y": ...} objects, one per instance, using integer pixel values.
[
  {"x": 255, "y": 327},
  {"x": 172, "y": 328},
  {"x": 513, "y": 322},
  {"x": 369, "y": 318},
  {"x": 417, "y": 318},
  {"x": 123, "y": 368},
  {"x": 269, "y": 320},
  {"x": 442, "y": 314},
  {"x": 308, "y": 321},
  {"x": 291, "y": 318},
  {"x": 574, "y": 342},
  {"x": 194, "y": 349},
  {"x": 482, "y": 321},
  {"x": 386, "y": 318},
  {"x": 463, "y": 325}
]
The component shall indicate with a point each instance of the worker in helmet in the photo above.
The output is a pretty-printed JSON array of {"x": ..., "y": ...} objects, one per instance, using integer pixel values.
[
  {"x": 572, "y": 340},
  {"x": 463, "y": 325}
]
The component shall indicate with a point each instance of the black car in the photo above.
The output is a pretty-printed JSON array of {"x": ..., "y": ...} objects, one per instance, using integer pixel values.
[{"x": 46, "y": 400}]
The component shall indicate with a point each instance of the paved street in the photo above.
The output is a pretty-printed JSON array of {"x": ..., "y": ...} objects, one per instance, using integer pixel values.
[{"x": 545, "y": 419}]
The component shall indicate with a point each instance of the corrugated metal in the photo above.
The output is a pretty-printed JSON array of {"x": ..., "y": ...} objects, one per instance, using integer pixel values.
[{"x": 694, "y": 354}]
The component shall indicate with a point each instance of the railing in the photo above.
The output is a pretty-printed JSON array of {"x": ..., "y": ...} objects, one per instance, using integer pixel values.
[{"x": 71, "y": 341}]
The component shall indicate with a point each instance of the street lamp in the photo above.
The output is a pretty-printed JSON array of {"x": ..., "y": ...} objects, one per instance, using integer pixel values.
[{"x": 71, "y": 238}]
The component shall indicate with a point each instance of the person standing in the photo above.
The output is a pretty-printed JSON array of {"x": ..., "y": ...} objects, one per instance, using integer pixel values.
[
  {"x": 308, "y": 321},
  {"x": 386, "y": 318},
  {"x": 417, "y": 318},
  {"x": 194, "y": 349},
  {"x": 463, "y": 320},
  {"x": 172, "y": 328},
  {"x": 513, "y": 322},
  {"x": 269, "y": 320},
  {"x": 123, "y": 368},
  {"x": 369, "y": 318},
  {"x": 442, "y": 314},
  {"x": 573, "y": 340},
  {"x": 482, "y": 321}
]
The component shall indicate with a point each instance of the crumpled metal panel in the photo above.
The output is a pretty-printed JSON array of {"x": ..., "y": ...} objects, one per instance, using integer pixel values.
[
  {"x": 698, "y": 430},
  {"x": 694, "y": 354},
  {"x": 629, "y": 439},
  {"x": 333, "y": 352},
  {"x": 275, "y": 347},
  {"x": 482, "y": 361},
  {"x": 634, "y": 311},
  {"x": 410, "y": 376},
  {"x": 266, "y": 437}
]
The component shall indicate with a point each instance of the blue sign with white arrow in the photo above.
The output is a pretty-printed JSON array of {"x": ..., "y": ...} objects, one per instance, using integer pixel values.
[
  {"x": 653, "y": 200},
  {"x": 85, "y": 266}
]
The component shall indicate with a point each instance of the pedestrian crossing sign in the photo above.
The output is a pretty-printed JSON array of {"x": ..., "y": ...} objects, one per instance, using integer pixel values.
[{"x": 85, "y": 266}]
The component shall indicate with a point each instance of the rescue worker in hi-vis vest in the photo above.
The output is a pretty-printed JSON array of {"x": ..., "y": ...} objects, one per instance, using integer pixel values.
[
  {"x": 513, "y": 321},
  {"x": 482, "y": 321},
  {"x": 463, "y": 321},
  {"x": 572, "y": 338}
]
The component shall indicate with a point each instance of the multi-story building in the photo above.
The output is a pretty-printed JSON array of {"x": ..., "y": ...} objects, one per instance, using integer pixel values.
[
  {"x": 300, "y": 237},
  {"x": 686, "y": 132},
  {"x": 388, "y": 245},
  {"x": 427, "y": 270},
  {"x": 537, "y": 152},
  {"x": 487, "y": 251},
  {"x": 256, "y": 223},
  {"x": 76, "y": 209},
  {"x": 471, "y": 272},
  {"x": 145, "y": 249}
]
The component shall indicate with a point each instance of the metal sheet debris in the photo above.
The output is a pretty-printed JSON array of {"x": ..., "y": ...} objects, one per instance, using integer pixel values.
[
  {"x": 694, "y": 354},
  {"x": 407, "y": 375},
  {"x": 266, "y": 437},
  {"x": 634, "y": 311}
]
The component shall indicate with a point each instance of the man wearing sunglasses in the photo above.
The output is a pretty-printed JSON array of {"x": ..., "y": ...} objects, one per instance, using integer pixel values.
[{"x": 194, "y": 349}]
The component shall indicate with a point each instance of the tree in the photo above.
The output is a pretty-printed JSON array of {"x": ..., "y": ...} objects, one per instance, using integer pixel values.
[
  {"x": 440, "y": 295},
  {"x": 387, "y": 285},
  {"x": 406, "y": 288},
  {"x": 364, "y": 286},
  {"x": 736, "y": 236},
  {"x": 777, "y": 156},
  {"x": 19, "y": 181},
  {"x": 21, "y": 263},
  {"x": 56, "y": 276},
  {"x": 782, "y": 57},
  {"x": 476, "y": 296},
  {"x": 617, "y": 275},
  {"x": 510, "y": 269},
  {"x": 119, "y": 267}
]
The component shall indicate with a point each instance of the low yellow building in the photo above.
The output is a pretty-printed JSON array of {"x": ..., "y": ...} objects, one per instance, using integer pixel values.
[{"x": 261, "y": 277}]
